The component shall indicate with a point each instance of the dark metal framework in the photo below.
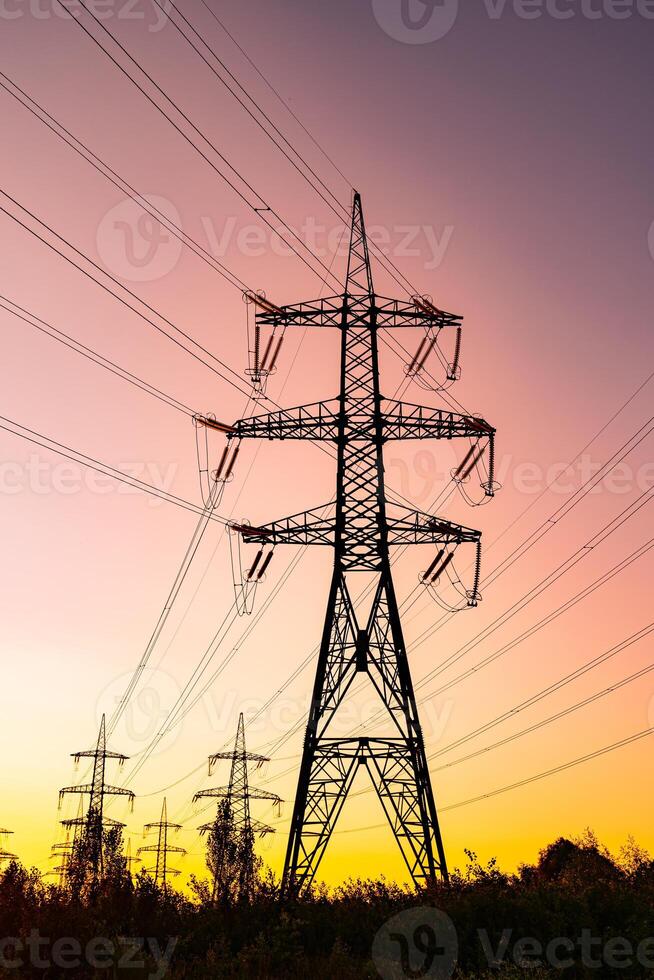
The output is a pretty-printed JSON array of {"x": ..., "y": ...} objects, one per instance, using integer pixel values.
[
  {"x": 360, "y": 421},
  {"x": 90, "y": 828},
  {"x": 162, "y": 849},
  {"x": 237, "y": 795}
]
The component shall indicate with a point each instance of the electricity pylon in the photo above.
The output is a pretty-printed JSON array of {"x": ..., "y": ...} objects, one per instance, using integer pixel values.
[
  {"x": 162, "y": 848},
  {"x": 360, "y": 421},
  {"x": 90, "y": 828},
  {"x": 233, "y": 815},
  {"x": 5, "y": 855}
]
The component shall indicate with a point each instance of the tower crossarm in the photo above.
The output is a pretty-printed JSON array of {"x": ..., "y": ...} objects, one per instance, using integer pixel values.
[
  {"x": 328, "y": 312},
  {"x": 402, "y": 420},
  {"x": 304, "y": 528},
  {"x": 154, "y": 848},
  {"x": 246, "y": 756},
  {"x": 92, "y": 753},
  {"x": 318, "y": 421},
  {"x": 414, "y": 527},
  {"x": 88, "y": 788},
  {"x": 223, "y": 792}
]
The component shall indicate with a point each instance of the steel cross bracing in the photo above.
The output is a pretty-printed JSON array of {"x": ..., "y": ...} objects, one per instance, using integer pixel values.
[
  {"x": 361, "y": 531},
  {"x": 91, "y": 827},
  {"x": 237, "y": 796}
]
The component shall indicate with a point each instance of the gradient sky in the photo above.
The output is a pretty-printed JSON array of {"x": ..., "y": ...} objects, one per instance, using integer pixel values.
[{"x": 507, "y": 167}]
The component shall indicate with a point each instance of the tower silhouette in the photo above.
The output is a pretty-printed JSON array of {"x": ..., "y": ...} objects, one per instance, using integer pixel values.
[
  {"x": 361, "y": 531},
  {"x": 162, "y": 848},
  {"x": 90, "y": 828},
  {"x": 5, "y": 855},
  {"x": 233, "y": 819}
]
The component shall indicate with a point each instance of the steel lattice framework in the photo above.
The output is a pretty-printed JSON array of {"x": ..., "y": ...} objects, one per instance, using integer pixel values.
[
  {"x": 162, "y": 849},
  {"x": 237, "y": 795},
  {"x": 89, "y": 829},
  {"x": 360, "y": 421}
]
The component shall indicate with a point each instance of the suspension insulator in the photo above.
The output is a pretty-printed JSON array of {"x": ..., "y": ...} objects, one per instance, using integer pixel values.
[
  {"x": 425, "y": 305},
  {"x": 221, "y": 464},
  {"x": 421, "y": 363},
  {"x": 266, "y": 562},
  {"x": 462, "y": 466},
  {"x": 260, "y": 300},
  {"x": 491, "y": 486},
  {"x": 412, "y": 365},
  {"x": 266, "y": 352},
  {"x": 454, "y": 370},
  {"x": 433, "y": 565},
  {"x": 439, "y": 571},
  {"x": 473, "y": 595},
  {"x": 276, "y": 354},
  {"x": 473, "y": 462},
  {"x": 210, "y": 423},
  {"x": 257, "y": 349},
  {"x": 253, "y": 568},
  {"x": 232, "y": 462}
]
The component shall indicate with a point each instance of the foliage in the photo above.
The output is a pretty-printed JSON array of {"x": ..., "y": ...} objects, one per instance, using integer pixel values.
[{"x": 574, "y": 887}]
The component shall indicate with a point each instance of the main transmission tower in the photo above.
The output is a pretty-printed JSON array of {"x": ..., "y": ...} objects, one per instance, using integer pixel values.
[
  {"x": 363, "y": 528},
  {"x": 90, "y": 828},
  {"x": 233, "y": 815},
  {"x": 162, "y": 848}
]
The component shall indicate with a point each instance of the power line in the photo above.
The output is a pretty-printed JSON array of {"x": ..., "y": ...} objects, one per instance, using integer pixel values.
[
  {"x": 75, "y": 345},
  {"x": 259, "y": 211},
  {"x": 30, "y": 435},
  {"x": 552, "y": 772},
  {"x": 103, "y": 168},
  {"x": 545, "y": 693},
  {"x": 125, "y": 302}
]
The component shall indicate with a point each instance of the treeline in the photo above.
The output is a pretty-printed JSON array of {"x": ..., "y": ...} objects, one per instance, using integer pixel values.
[{"x": 577, "y": 912}]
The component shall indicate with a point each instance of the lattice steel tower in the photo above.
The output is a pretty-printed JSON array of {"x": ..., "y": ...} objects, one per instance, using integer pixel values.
[
  {"x": 90, "y": 828},
  {"x": 360, "y": 421},
  {"x": 235, "y": 808},
  {"x": 161, "y": 869}
]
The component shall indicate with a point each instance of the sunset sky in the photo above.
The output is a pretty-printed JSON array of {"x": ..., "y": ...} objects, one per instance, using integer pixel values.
[{"x": 505, "y": 166}]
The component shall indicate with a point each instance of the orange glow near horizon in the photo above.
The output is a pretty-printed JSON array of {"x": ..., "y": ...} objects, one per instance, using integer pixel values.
[{"x": 487, "y": 182}]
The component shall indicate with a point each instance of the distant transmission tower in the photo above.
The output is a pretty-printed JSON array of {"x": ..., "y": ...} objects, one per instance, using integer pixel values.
[
  {"x": 90, "y": 828},
  {"x": 5, "y": 855},
  {"x": 360, "y": 421},
  {"x": 162, "y": 848},
  {"x": 233, "y": 823}
]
